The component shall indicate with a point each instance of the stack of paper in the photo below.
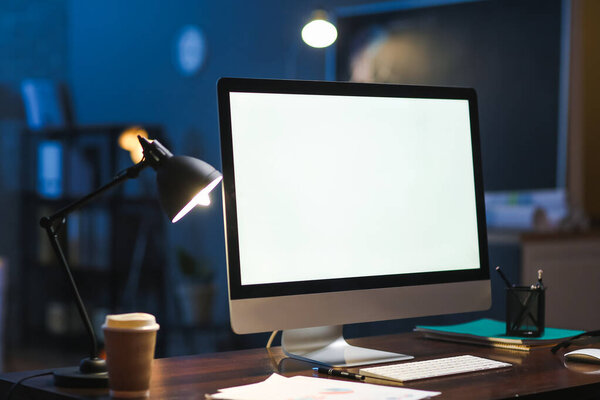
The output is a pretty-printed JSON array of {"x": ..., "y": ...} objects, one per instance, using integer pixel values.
[
  {"x": 307, "y": 388},
  {"x": 489, "y": 332}
]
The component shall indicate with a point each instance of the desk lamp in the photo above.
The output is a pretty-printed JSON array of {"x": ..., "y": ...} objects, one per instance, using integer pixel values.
[{"x": 183, "y": 182}]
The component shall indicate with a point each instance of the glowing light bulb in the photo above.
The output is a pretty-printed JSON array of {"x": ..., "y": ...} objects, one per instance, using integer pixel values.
[
  {"x": 319, "y": 32},
  {"x": 201, "y": 199}
]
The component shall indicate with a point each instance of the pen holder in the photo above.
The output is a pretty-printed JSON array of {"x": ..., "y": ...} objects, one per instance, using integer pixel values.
[{"x": 525, "y": 311}]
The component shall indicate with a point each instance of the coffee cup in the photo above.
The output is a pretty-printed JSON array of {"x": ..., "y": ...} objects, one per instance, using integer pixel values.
[{"x": 129, "y": 341}]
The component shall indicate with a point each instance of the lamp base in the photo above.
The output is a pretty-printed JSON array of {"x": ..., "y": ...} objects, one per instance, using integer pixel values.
[
  {"x": 91, "y": 373},
  {"x": 71, "y": 377}
]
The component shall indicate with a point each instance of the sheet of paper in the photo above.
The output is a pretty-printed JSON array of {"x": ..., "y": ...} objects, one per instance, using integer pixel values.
[{"x": 278, "y": 387}]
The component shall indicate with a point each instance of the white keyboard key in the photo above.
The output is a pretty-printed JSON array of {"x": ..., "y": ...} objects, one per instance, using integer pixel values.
[{"x": 414, "y": 370}]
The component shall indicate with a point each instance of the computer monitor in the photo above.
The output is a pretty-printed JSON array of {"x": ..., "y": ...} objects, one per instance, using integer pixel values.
[{"x": 347, "y": 203}]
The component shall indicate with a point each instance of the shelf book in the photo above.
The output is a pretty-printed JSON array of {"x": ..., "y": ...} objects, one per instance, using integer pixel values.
[{"x": 489, "y": 332}]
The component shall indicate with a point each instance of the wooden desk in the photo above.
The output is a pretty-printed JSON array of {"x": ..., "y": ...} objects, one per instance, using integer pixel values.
[{"x": 538, "y": 374}]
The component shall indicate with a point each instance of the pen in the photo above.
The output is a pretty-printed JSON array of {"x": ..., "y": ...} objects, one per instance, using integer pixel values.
[
  {"x": 504, "y": 278},
  {"x": 539, "y": 283},
  {"x": 339, "y": 373}
]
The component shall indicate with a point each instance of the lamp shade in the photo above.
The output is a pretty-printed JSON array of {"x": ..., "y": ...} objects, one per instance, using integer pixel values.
[{"x": 184, "y": 182}]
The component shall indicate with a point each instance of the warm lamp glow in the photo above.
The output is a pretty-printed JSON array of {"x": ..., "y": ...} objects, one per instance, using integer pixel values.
[
  {"x": 201, "y": 199},
  {"x": 319, "y": 32},
  {"x": 128, "y": 140}
]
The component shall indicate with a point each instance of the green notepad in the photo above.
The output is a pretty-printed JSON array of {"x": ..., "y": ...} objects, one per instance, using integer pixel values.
[{"x": 490, "y": 332}]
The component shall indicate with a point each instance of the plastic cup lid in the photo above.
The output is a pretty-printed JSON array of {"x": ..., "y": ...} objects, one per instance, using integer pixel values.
[{"x": 131, "y": 321}]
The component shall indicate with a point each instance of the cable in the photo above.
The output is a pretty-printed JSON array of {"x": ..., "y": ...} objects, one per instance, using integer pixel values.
[
  {"x": 270, "y": 341},
  {"x": 17, "y": 383}
]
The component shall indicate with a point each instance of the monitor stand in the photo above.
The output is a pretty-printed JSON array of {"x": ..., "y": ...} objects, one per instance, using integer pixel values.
[{"x": 326, "y": 345}]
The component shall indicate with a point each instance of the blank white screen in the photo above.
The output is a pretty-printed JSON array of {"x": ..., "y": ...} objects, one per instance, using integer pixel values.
[{"x": 348, "y": 186}]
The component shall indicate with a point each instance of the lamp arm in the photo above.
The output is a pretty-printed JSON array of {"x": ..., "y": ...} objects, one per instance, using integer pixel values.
[
  {"x": 129, "y": 173},
  {"x": 80, "y": 307},
  {"x": 53, "y": 223}
]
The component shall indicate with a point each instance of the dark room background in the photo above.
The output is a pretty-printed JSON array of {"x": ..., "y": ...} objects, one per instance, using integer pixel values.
[{"x": 116, "y": 64}]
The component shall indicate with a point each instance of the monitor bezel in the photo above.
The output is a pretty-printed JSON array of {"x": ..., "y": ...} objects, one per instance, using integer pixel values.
[{"x": 237, "y": 291}]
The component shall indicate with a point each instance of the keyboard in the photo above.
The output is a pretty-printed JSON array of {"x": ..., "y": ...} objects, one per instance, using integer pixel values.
[{"x": 414, "y": 370}]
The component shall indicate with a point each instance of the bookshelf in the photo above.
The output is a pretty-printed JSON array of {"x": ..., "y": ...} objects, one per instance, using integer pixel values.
[{"x": 115, "y": 245}]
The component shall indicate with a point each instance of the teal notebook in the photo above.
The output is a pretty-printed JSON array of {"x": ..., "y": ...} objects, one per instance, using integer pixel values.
[{"x": 490, "y": 332}]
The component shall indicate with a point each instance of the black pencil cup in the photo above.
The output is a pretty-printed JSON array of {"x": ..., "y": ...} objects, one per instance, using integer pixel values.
[{"x": 525, "y": 311}]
